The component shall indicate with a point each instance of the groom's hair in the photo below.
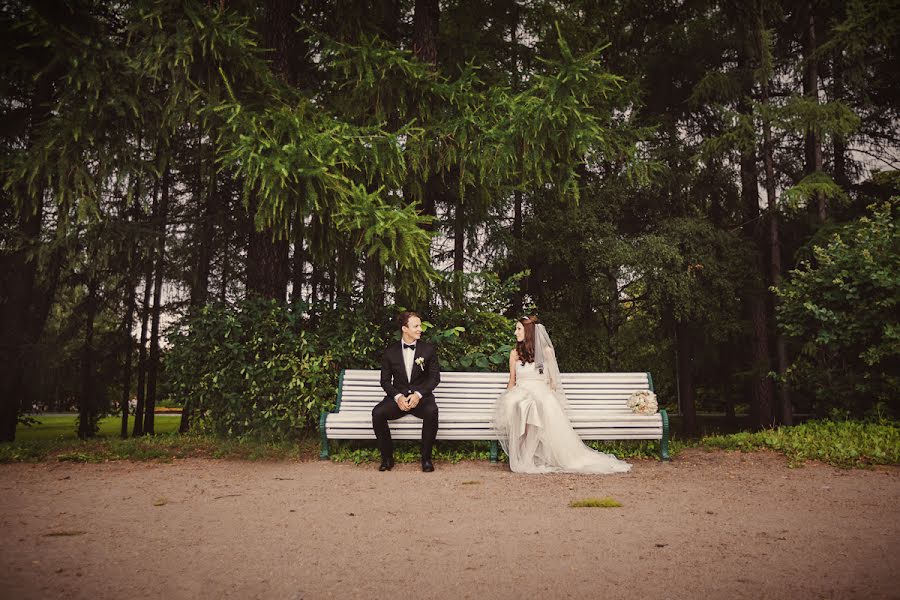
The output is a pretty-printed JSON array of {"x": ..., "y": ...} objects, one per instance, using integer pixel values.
[{"x": 403, "y": 318}]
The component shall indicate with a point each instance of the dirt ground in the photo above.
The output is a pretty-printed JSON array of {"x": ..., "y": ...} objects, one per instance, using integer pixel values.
[{"x": 706, "y": 525}]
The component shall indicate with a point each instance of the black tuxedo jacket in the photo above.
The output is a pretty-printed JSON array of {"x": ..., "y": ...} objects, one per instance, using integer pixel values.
[{"x": 424, "y": 379}]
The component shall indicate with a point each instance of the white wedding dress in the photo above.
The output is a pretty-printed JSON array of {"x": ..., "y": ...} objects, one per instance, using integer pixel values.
[{"x": 536, "y": 434}]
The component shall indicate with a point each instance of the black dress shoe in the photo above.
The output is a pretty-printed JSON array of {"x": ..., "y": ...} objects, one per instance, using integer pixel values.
[
  {"x": 427, "y": 466},
  {"x": 386, "y": 464}
]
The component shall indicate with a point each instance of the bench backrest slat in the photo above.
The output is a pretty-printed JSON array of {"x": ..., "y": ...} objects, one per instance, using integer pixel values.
[{"x": 477, "y": 392}]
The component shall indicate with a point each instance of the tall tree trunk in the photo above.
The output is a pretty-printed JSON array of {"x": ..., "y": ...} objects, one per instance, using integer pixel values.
[
  {"x": 813, "y": 145},
  {"x": 426, "y": 25},
  {"x": 332, "y": 285},
  {"x": 87, "y": 402},
  {"x": 785, "y": 412},
  {"x": 207, "y": 199},
  {"x": 299, "y": 262},
  {"x": 43, "y": 297},
  {"x": 761, "y": 392},
  {"x": 390, "y": 19},
  {"x": 730, "y": 416},
  {"x": 761, "y": 396},
  {"x": 15, "y": 303},
  {"x": 459, "y": 237},
  {"x": 267, "y": 260},
  {"x": 268, "y": 266},
  {"x": 206, "y": 196},
  {"x": 760, "y": 385},
  {"x": 280, "y": 35},
  {"x": 612, "y": 320},
  {"x": 18, "y": 270},
  {"x": 373, "y": 287},
  {"x": 153, "y": 366},
  {"x": 517, "y": 299},
  {"x": 138, "y": 427},
  {"x": 133, "y": 275},
  {"x": 517, "y": 215},
  {"x": 314, "y": 235},
  {"x": 226, "y": 260},
  {"x": 315, "y": 278},
  {"x": 684, "y": 361},
  {"x": 127, "y": 324},
  {"x": 841, "y": 177}
]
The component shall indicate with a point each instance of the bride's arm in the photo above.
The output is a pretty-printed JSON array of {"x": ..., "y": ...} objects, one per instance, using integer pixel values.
[{"x": 513, "y": 359}]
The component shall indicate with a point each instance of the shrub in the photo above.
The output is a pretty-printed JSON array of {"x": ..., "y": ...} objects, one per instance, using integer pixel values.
[
  {"x": 843, "y": 308},
  {"x": 840, "y": 443},
  {"x": 267, "y": 368},
  {"x": 252, "y": 368}
]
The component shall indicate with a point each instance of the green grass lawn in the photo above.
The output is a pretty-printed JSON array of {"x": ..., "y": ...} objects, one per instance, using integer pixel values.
[
  {"x": 841, "y": 443},
  {"x": 64, "y": 427}
]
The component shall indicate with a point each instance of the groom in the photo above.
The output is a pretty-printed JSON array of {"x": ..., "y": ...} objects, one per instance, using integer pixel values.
[{"x": 409, "y": 374}]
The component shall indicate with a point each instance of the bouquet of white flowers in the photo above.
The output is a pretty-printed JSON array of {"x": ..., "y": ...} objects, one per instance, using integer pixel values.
[{"x": 643, "y": 402}]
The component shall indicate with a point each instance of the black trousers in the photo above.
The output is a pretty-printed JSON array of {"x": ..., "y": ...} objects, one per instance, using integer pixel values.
[{"x": 387, "y": 410}]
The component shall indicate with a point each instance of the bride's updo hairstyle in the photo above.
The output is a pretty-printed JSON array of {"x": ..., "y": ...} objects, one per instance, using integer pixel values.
[{"x": 525, "y": 348}]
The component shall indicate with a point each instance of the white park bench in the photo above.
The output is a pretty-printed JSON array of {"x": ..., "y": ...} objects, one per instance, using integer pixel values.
[{"x": 465, "y": 400}]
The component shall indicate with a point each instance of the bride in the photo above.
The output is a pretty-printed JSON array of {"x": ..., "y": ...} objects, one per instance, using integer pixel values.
[{"x": 530, "y": 417}]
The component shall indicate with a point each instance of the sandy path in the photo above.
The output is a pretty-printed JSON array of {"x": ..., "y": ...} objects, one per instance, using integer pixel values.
[{"x": 707, "y": 525}]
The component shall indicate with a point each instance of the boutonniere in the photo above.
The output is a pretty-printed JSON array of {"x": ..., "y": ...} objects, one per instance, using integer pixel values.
[{"x": 421, "y": 362}]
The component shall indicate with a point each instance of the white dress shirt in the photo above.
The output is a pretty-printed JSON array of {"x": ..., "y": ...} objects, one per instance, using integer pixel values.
[{"x": 409, "y": 357}]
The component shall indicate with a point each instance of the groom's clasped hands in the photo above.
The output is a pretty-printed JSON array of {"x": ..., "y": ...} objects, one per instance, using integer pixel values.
[{"x": 407, "y": 403}]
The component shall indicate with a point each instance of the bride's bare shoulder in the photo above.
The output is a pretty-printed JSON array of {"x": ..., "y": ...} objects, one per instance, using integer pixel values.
[{"x": 513, "y": 354}]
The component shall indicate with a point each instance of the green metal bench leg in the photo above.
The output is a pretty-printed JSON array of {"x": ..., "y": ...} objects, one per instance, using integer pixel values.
[
  {"x": 664, "y": 442},
  {"x": 494, "y": 451},
  {"x": 323, "y": 454}
]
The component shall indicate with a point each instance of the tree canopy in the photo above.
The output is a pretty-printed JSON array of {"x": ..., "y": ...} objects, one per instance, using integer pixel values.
[{"x": 662, "y": 183}]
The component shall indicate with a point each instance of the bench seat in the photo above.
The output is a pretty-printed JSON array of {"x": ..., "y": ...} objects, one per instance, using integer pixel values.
[{"x": 597, "y": 408}]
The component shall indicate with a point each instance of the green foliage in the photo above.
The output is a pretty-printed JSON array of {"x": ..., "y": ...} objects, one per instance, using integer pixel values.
[
  {"x": 165, "y": 447},
  {"x": 378, "y": 155},
  {"x": 842, "y": 306},
  {"x": 251, "y": 369},
  {"x": 626, "y": 449},
  {"x": 801, "y": 114},
  {"x": 809, "y": 188},
  {"x": 480, "y": 450},
  {"x": 694, "y": 272},
  {"x": 471, "y": 340},
  {"x": 267, "y": 369},
  {"x": 605, "y": 502},
  {"x": 841, "y": 443}
]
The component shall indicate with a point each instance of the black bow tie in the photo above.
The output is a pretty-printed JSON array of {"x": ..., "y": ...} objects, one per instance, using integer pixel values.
[{"x": 405, "y": 346}]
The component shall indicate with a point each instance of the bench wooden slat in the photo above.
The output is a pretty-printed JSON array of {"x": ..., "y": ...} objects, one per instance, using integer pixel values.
[
  {"x": 501, "y": 385},
  {"x": 492, "y": 394},
  {"x": 489, "y": 398},
  {"x": 454, "y": 424},
  {"x": 365, "y": 374}
]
